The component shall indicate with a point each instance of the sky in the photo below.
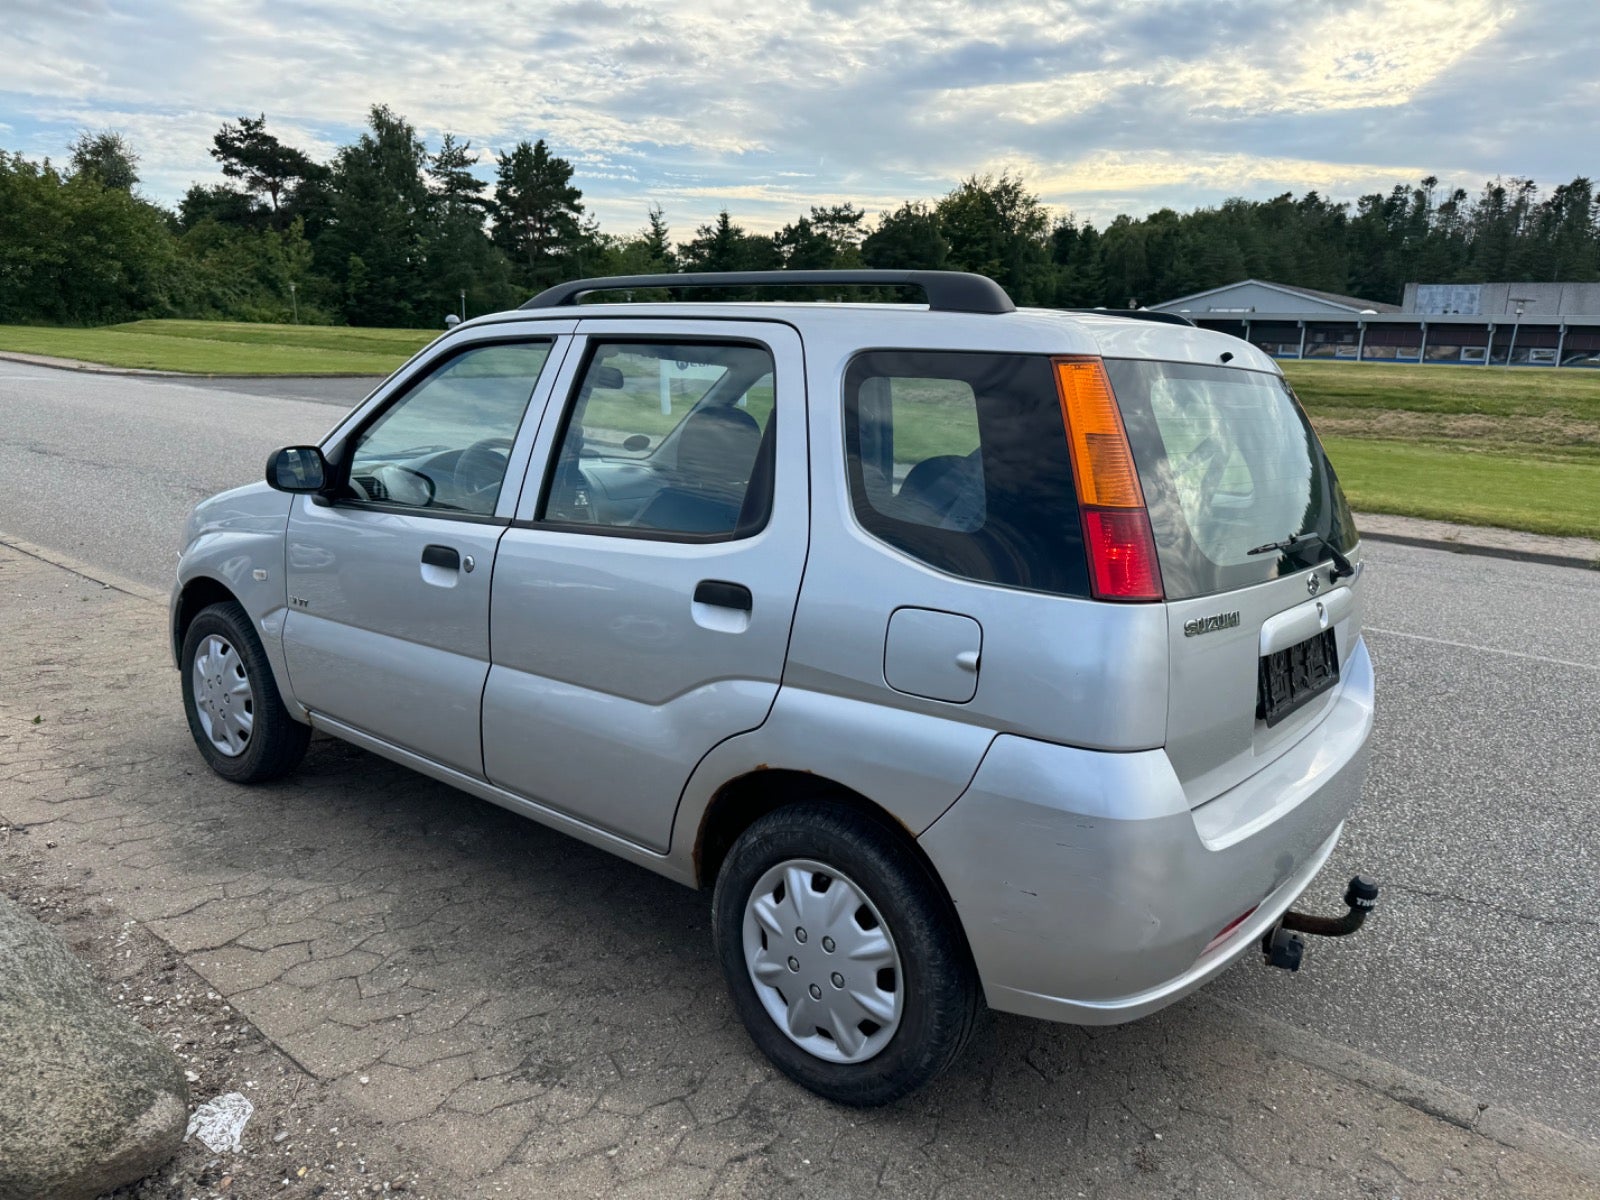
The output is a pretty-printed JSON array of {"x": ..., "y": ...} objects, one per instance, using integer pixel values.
[{"x": 1101, "y": 106}]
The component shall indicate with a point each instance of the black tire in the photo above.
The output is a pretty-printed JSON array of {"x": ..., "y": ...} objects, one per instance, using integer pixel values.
[
  {"x": 941, "y": 999},
  {"x": 276, "y": 741}
]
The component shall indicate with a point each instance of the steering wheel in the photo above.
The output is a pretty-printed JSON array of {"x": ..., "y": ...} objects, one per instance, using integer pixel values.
[{"x": 480, "y": 469}]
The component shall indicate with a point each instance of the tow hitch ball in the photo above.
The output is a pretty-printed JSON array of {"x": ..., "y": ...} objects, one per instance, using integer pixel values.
[{"x": 1283, "y": 946}]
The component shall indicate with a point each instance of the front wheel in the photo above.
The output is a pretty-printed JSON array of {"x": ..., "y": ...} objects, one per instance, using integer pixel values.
[
  {"x": 844, "y": 959},
  {"x": 238, "y": 720}
]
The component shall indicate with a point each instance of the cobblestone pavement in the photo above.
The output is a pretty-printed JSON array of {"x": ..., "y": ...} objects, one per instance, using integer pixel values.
[{"x": 533, "y": 1017}]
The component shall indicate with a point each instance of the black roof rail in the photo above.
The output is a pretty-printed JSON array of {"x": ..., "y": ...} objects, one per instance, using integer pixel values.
[
  {"x": 947, "y": 291},
  {"x": 1140, "y": 314}
]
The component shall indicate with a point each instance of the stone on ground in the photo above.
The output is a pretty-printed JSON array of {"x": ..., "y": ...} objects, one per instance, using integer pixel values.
[{"x": 89, "y": 1099}]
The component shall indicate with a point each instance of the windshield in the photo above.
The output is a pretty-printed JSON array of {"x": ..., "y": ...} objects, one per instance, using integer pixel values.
[{"x": 1228, "y": 462}]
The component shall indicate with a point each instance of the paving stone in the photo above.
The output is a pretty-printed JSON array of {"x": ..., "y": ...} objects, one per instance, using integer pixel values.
[
  {"x": 472, "y": 1145},
  {"x": 406, "y": 1093},
  {"x": 237, "y": 969}
]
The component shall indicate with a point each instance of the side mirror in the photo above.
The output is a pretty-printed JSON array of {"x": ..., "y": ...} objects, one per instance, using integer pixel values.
[
  {"x": 297, "y": 469},
  {"x": 608, "y": 377}
]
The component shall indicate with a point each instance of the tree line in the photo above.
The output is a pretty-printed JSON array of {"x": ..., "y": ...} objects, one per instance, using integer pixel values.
[{"x": 391, "y": 232}]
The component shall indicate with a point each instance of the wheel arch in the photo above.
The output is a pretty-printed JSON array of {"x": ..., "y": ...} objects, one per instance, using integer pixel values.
[
  {"x": 746, "y": 798},
  {"x": 197, "y": 594}
]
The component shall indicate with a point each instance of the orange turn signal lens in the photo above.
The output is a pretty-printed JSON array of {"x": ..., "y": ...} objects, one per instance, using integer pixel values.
[
  {"x": 1117, "y": 537},
  {"x": 1101, "y": 460}
]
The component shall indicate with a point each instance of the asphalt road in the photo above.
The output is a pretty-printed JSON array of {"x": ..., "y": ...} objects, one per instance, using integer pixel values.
[
  {"x": 1482, "y": 812},
  {"x": 106, "y": 467}
]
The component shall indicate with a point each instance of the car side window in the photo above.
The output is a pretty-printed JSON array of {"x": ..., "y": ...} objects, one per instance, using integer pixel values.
[
  {"x": 445, "y": 444},
  {"x": 932, "y": 472},
  {"x": 667, "y": 439},
  {"x": 960, "y": 459}
]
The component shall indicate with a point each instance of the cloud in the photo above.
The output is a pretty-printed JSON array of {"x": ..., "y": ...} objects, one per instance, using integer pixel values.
[{"x": 703, "y": 103}]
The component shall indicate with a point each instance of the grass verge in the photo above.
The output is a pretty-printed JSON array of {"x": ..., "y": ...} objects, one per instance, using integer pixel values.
[
  {"x": 224, "y": 347},
  {"x": 1445, "y": 483},
  {"x": 1479, "y": 445},
  {"x": 1570, "y": 392}
]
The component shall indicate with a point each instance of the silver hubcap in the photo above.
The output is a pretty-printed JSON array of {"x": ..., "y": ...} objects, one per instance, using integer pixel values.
[
  {"x": 823, "y": 962},
  {"x": 223, "y": 698}
]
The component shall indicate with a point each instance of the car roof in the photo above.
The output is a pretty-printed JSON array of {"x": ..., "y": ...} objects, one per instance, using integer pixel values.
[{"x": 1024, "y": 331}]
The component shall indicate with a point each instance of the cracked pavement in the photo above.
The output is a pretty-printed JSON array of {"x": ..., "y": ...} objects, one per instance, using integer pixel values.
[{"x": 534, "y": 1017}]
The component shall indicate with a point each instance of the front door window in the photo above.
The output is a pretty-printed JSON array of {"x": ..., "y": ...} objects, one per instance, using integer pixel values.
[{"x": 444, "y": 445}]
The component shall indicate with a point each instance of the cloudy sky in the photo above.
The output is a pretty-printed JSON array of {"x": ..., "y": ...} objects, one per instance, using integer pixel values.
[{"x": 1103, "y": 106}]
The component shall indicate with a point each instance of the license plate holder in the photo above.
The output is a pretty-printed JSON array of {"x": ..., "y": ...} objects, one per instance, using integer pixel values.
[{"x": 1291, "y": 678}]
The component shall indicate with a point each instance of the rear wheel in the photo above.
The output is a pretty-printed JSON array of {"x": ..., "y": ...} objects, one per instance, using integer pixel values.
[
  {"x": 843, "y": 958},
  {"x": 235, "y": 713}
]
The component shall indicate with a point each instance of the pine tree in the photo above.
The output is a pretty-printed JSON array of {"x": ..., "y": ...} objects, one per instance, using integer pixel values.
[
  {"x": 538, "y": 220},
  {"x": 375, "y": 247},
  {"x": 266, "y": 167}
]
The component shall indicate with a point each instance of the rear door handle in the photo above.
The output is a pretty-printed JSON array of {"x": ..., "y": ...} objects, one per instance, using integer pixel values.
[
  {"x": 722, "y": 594},
  {"x": 447, "y": 557}
]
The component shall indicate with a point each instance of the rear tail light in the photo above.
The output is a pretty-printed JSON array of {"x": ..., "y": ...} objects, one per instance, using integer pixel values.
[
  {"x": 1116, "y": 524},
  {"x": 1122, "y": 560}
]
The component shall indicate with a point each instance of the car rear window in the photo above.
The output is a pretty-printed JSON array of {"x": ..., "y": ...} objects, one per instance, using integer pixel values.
[
  {"x": 961, "y": 460},
  {"x": 1228, "y": 462}
]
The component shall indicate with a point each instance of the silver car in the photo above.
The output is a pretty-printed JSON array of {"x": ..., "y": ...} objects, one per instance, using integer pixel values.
[{"x": 971, "y": 656}]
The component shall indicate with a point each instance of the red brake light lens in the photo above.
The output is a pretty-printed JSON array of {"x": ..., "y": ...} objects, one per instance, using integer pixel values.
[{"x": 1122, "y": 554}]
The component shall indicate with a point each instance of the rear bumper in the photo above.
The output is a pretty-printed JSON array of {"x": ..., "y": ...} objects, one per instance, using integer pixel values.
[{"x": 1091, "y": 893}]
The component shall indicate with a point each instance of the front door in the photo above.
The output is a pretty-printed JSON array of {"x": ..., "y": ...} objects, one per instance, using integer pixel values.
[
  {"x": 388, "y": 625},
  {"x": 644, "y": 595}
]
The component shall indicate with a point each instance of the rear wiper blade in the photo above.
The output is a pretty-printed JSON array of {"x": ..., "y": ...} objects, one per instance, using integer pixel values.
[{"x": 1341, "y": 565}]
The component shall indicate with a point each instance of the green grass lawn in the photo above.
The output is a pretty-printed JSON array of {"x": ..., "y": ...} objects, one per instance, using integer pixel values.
[
  {"x": 225, "y": 347},
  {"x": 1483, "y": 445},
  {"x": 1449, "y": 484},
  {"x": 1489, "y": 391}
]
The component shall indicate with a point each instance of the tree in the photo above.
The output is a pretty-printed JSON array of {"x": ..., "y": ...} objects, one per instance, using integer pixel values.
[
  {"x": 463, "y": 266},
  {"x": 725, "y": 246},
  {"x": 538, "y": 220},
  {"x": 218, "y": 203},
  {"x": 907, "y": 239},
  {"x": 374, "y": 250},
  {"x": 77, "y": 251},
  {"x": 106, "y": 156},
  {"x": 801, "y": 246},
  {"x": 657, "y": 239},
  {"x": 455, "y": 188},
  {"x": 263, "y": 164},
  {"x": 720, "y": 246},
  {"x": 841, "y": 225},
  {"x": 998, "y": 228}
]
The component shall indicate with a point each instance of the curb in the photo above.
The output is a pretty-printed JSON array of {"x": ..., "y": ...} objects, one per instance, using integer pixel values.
[
  {"x": 1476, "y": 1117},
  {"x": 74, "y": 366},
  {"x": 83, "y": 570},
  {"x": 1482, "y": 550}
]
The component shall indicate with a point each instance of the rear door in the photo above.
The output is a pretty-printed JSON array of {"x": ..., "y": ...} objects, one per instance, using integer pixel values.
[
  {"x": 1229, "y": 463},
  {"x": 644, "y": 596}
]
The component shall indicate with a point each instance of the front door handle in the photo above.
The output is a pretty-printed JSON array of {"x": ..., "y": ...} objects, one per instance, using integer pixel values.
[
  {"x": 722, "y": 594},
  {"x": 446, "y": 557}
]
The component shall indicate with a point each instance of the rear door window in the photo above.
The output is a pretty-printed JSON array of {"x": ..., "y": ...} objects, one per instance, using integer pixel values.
[
  {"x": 664, "y": 439},
  {"x": 961, "y": 461}
]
